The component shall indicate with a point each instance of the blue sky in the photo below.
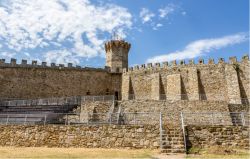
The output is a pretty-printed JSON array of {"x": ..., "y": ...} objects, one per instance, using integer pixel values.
[{"x": 65, "y": 31}]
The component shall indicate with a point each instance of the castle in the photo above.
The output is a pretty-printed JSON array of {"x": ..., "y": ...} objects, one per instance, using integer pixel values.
[
  {"x": 182, "y": 94},
  {"x": 212, "y": 81}
]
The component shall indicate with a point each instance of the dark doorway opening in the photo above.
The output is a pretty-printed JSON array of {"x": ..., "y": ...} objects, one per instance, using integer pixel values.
[
  {"x": 116, "y": 95},
  {"x": 88, "y": 93}
]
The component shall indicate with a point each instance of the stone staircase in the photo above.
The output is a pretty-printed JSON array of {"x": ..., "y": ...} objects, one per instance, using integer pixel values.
[
  {"x": 114, "y": 113},
  {"x": 172, "y": 140}
]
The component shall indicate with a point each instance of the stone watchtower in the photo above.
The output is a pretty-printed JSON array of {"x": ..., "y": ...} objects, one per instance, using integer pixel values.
[{"x": 117, "y": 55}]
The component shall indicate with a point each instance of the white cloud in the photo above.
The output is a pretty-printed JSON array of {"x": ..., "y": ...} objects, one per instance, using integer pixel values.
[
  {"x": 31, "y": 24},
  {"x": 157, "y": 26},
  {"x": 155, "y": 20},
  {"x": 27, "y": 54},
  {"x": 146, "y": 15},
  {"x": 184, "y": 13},
  {"x": 61, "y": 57},
  {"x": 7, "y": 54},
  {"x": 164, "y": 12},
  {"x": 201, "y": 47}
]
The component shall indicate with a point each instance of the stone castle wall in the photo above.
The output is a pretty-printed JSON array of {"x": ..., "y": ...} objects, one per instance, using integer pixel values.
[
  {"x": 117, "y": 136},
  {"x": 221, "y": 81},
  {"x": 41, "y": 81},
  {"x": 209, "y": 136},
  {"x": 102, "y": 136}
]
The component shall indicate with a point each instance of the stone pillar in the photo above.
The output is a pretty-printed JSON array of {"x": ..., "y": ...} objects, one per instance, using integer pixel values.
[
  {"x": 155, "y": 86},
  {"x": 174, "y": 87},
  {"x": 193, "y": 92},
  {"x": 125, "y": 87},
  {"x": 233, "y": 89}
]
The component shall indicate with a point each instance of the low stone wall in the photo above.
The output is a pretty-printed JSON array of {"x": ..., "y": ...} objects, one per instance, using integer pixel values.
[
  {"x": 118, "y": 136},
  {"x": 84, "y": 112},
  {"x": 105, "y": 136},
  {"x": 171, "y": 109},
  {"x": 207, "y": 136}
]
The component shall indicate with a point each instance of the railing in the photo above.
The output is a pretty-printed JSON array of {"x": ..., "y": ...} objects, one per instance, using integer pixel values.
[
  {"x": 213, "y": 119},
  {"x": 45, "y": 101},
  {"x": 55, "y": 101},
  {"x": 77, "y": 118},
  {"x": 216, "y": 118},
  {"x": 98, "y": 98},
  {"x": 139, "y": 118}
]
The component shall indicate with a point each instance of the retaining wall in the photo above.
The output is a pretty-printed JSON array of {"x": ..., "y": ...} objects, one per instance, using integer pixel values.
[
  {"x": 207, "y": 136},
  {"x": 102, "y": 136},
  {"x": 171, "y": 109},
  {"x": 118, "y": 136}
]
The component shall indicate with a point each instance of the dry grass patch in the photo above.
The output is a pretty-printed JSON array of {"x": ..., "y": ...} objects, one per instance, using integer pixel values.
[
  {"x": 218, "y": 152},
  {"x": 42, "y": 153}
]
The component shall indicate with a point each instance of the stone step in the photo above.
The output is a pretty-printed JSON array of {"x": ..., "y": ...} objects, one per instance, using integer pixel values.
[{"x": 172, "y": 140}]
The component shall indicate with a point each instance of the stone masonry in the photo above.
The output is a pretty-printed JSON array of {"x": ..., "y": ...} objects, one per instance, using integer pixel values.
[
  {"x": 115, "y": 136},
  {"x": 227, "y": 81},
  {"x": 222, "y": 81},
  {"x": 168, "y": 88},
  {"x": 227, "y": 136},
  {"x": 105, "y": 136}
]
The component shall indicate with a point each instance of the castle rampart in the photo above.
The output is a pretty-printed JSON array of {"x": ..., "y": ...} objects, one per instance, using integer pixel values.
[
  {"x": 41, "y": 81},
  {"x": 226, "y": 81},
  {"x": 211, "y": 81},
  {"x": 34, "y": 64}
]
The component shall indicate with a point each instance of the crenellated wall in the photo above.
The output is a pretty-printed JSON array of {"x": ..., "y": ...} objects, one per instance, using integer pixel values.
[
  {"x": 41, "y": 81},
  {"x": 227, "y": 81}
]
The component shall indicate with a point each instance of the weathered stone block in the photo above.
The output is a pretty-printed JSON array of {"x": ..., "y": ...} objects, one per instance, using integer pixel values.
[
  {"x": 174, "y": 87},
  {"x": 155, "y": 86}
]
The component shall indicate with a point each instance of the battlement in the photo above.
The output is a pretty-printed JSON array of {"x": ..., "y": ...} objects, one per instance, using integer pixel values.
[
  {"x": 117, "y": 43},
  {"x": 182, "y": 63},
  {"x": 34, "y": 64}
]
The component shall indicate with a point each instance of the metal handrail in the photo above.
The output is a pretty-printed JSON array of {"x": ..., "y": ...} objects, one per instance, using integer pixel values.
[
  {"x": 216, "y": 118},
  {"x": 75, "y": 118},
  {"x": 56, "y": 101}
]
